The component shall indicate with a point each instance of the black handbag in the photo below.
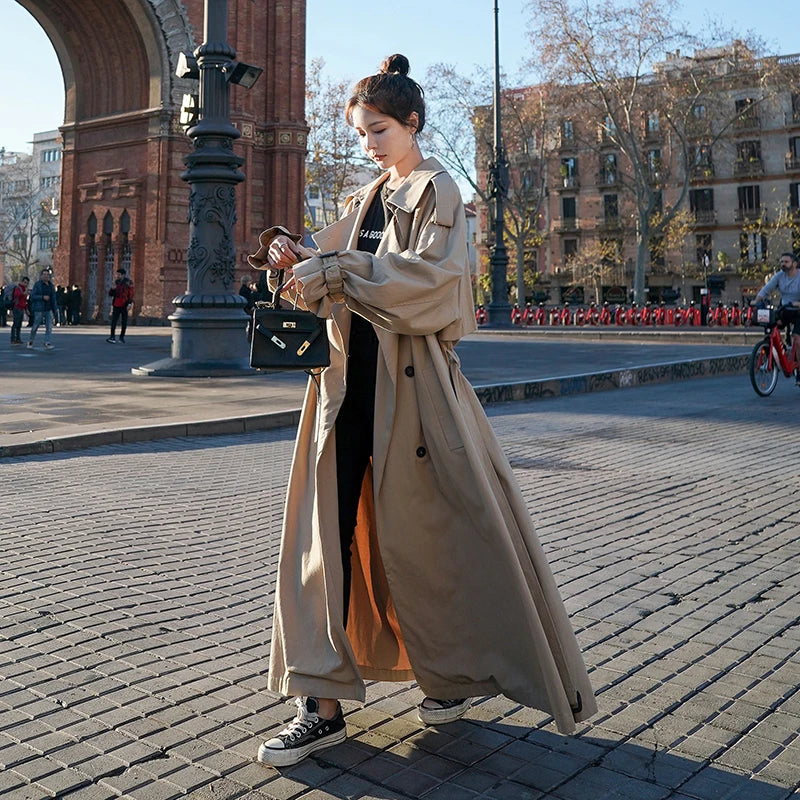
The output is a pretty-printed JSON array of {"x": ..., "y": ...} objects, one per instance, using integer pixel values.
[{"x": 287, "y": 338}]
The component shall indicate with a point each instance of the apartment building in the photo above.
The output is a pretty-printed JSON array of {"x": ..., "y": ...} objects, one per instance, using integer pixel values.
[
  {"x": 30, "y": 188},
  {"x": 733, "y": 170}
]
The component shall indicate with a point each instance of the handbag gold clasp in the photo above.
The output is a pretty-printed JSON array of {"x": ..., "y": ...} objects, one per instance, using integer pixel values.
[
  {"x": 288, "y": 324},
  {"x": 303, "y": 347}
]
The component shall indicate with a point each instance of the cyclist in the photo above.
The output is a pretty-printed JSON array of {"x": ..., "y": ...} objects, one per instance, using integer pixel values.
[{"x": 787, "y": 282}]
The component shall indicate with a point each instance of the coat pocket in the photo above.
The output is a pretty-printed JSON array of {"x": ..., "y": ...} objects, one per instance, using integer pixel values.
[{"x": 440, "y": 409}]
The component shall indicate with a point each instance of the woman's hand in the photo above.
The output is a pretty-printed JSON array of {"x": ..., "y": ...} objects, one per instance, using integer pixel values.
[{"x": 283, "y": 253}]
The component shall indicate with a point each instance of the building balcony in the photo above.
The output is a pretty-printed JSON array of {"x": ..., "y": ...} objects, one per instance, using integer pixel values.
[
  {"x": 748, "y": 122},
  {"x": 569, "y": 182},
  {"x": 705, "y": 216},
  {"x": 749, "y": 215},
  {"x": 608, "y": 177},
  {"x": 791, "y": 164},
  {"x": 567, "y": 225},
  {"x": 608, "y": 223},
  {"x": 748, "y": 167},
  {"x": 702, "y": 172}
]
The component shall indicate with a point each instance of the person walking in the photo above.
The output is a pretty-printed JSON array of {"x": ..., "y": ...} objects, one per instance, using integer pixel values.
[
  {"x": 407, "y": 549},
  {"x": 122, "y": 294},
  {"x": 43, "y": 308},
  {"x": 19, "y": 302}
]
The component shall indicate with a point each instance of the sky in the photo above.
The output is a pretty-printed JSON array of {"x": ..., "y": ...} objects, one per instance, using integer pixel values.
[{"x": 353, "y": 38}]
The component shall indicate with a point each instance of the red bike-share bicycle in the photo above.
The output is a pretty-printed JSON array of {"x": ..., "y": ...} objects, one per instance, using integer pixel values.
[{"x": 772, "y": 353}]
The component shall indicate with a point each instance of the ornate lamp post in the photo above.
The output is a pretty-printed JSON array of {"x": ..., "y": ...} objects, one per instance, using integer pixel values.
[
  {"x": 208, "y": 325},
  {"x": 499, "y": 308}
]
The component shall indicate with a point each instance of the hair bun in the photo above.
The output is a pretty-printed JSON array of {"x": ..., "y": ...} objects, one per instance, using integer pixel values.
[{"x": 396, "y": 64}]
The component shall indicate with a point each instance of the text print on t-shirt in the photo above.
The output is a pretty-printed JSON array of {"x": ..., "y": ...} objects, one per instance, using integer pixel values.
[{"x": 366, "y": 235}]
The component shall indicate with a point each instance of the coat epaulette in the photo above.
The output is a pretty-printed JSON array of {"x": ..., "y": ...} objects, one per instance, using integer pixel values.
[{"x": 448, "y": 199}]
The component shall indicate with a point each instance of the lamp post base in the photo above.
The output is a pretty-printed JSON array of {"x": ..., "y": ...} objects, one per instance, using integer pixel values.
[{"x": 209, "y": 339}]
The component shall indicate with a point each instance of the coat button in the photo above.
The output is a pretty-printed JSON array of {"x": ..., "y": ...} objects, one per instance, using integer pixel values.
[
  {"x": 409, "y": 371},
  {"x": 421, "y": 452}
]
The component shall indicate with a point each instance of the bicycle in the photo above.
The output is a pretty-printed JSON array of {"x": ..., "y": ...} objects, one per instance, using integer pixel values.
[{"x": 771, "y": 354}]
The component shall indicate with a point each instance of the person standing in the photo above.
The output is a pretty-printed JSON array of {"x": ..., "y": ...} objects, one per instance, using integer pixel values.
[
  {"x": 74, "y": 305},
  {"x": 43, "y": 308},
  {"x": 61, "y": 304},
  {"x": 122, "y": 294},
  {"x": 407, "y": 550},
  {"x": 19, "y": 302}
]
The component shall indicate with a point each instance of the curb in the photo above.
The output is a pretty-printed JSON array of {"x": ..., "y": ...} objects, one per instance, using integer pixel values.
[{"x": 488, "y": 394}]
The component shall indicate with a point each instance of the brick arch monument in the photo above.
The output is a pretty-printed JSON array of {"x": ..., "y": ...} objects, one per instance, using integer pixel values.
[{"x": 123, "y": 202}]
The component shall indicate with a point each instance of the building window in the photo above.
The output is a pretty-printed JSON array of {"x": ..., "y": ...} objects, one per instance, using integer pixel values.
[
  {"x": 748, "y": 158},
  {"x": 567, "y": 132},
  {"x": 608, "y": 169},
  {"x": 51, "y": 155},
  {"x": 50, "y": 180},
  {"x": 746, "y": 113},
  {"x": 796, "y": 107},
  {"x": 569, "y": 208},
  {"x": 658, "y": 202},
  {"x": 753, "y": 247},
  {"x": 569, "y": 172},
  {"x": 653, "y": 122},
  {"x": 703, "y": 249},
  {"x": 793, "y": 153},
  {"x": 794, "y": 197},
  {"x": 47, "y": 241},
  {"x": 700, "y": 161},
  {"x": 701, "y": 204},
  {"x": 570, "y": 248},
  {"x": 654, "y": 164},
  {"x": 20, "y": 241},
  {"x": 608, "y": 130},
  {"x": 699, "y": 111},
  {"x": 749, "y": 203},
  {"x": 610, "y": 207}
]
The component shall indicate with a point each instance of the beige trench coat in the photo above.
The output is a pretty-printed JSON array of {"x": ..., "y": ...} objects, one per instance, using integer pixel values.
[{"x": 450, "y": 585}]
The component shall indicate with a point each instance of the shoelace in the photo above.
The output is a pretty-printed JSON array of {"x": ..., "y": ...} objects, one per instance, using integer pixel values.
[{"x": 302, "y": 723}]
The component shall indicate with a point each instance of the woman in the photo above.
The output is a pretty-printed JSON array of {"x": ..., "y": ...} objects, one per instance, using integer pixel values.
[{"x": 407, "y": 550}]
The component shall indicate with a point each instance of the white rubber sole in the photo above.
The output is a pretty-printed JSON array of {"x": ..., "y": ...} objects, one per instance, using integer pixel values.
[
  {"x": 441, "y": 716},
  {"x": 294, "y": 755}
]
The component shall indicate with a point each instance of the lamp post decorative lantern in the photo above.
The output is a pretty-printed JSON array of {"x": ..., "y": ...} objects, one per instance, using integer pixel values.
[
  {"x": 499, "y": 308},
  {"x": 208, "y": 324}
]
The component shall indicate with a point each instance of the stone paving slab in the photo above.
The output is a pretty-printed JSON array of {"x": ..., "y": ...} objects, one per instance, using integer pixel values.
[{"x": 136, "y": 586}]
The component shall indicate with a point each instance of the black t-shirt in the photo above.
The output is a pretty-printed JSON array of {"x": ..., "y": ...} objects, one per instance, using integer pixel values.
[{"x": 363, "y": 341}]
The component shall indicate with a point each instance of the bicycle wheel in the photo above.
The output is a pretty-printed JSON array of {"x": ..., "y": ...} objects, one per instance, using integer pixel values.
[{"x": 763, "y": 375}]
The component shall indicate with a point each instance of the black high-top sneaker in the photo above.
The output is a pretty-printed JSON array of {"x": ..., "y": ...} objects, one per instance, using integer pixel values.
[{"x": 305, "y": 734}]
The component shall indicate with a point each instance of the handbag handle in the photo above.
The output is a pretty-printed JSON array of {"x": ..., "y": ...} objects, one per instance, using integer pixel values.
[{"x": 276, "y": 294}]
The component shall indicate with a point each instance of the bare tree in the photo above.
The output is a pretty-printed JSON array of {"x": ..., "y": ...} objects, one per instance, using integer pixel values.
[
  {"x": 28, "y": 217},
  {"x": 620, "y": 67},
  {"x": 460, "y": 133},
  {"x": 335, "y": 159}
]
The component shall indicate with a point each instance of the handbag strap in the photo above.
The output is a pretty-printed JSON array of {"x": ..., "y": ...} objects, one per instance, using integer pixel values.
[{"x": 276, "y": 295}]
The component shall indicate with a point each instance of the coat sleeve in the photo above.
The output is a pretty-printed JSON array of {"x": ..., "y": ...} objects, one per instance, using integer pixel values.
[{"x": 413, "y": 292}]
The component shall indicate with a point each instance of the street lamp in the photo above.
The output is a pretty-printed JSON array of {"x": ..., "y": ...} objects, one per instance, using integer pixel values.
[
  {"x": 499, "y": 308},
  {"x": 208, "y": 324}
]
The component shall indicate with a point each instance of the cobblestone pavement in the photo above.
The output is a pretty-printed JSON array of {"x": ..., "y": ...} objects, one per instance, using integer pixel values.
[{"x": 136, "y": 585}]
